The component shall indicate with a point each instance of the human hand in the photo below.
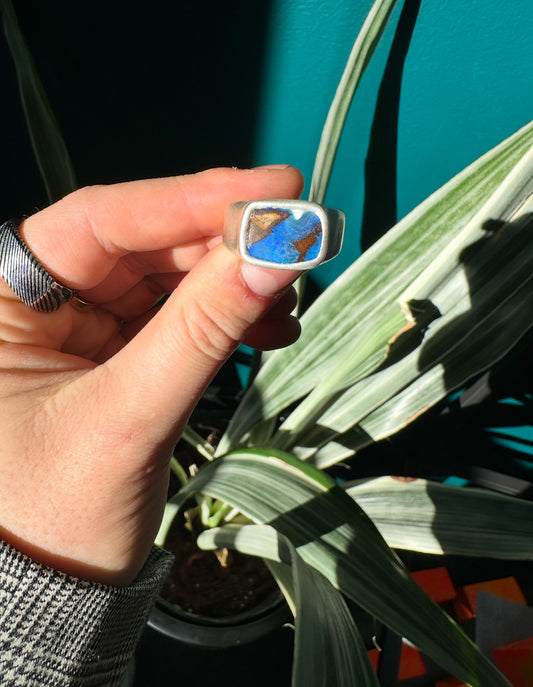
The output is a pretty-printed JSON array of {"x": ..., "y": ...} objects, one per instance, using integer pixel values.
[{"x": 93, "y": 400}]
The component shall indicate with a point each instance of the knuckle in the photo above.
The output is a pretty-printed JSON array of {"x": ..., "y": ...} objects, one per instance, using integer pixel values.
[
  {"x": 95, "y": 209},
  {"x": 212, "y": 332}
]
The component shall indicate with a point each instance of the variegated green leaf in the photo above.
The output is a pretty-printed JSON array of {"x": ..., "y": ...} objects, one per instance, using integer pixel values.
[
  {"x": 359, "y": 59},
  {"x": 346, "y": 332},
  {"x": 328, "y": 647},
  {"x": 439, "y": 518},
  {"x": 477, "y": 326},
  {"x": 333, "y": 535},
  {"x": 46, "y": 138}
]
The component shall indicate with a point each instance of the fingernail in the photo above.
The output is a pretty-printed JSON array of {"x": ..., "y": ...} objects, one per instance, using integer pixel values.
[
  {"x": 273, "y": 168},
  {"x": 264, "y": 281}
]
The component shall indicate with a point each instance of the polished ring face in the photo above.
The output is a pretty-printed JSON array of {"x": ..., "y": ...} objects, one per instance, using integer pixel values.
[{"x": 284, "y": 234}]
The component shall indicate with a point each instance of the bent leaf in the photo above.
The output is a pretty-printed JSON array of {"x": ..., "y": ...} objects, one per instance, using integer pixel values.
[
  {"x": 328, "y": 647},
  {"x": 334, "y": 535},
  {"x": 347, "y": 332}
]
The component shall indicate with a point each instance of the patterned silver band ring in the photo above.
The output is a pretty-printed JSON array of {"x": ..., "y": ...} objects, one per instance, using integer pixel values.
[
  {"x": 284, "y": 234},
  {"x": 25, "y": 275}
]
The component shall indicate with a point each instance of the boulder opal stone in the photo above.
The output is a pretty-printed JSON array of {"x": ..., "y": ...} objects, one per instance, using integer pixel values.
[{"x": 279, "y": 235}]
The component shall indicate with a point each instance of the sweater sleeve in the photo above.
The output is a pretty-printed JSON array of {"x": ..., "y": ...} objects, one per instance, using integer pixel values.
[{"x": 64, "y": 631}]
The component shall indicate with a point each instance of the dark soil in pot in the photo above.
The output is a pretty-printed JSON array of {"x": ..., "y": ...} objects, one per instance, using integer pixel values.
[
  {"x": 220, "y": 619},
  {"x": 213, "y": 599},
  {"x": 218, "y": 585},
  {"x": 216, "y": 599}
]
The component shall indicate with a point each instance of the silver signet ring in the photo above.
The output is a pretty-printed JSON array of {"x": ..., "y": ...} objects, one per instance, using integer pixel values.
[{"x": 284, "y": 234}]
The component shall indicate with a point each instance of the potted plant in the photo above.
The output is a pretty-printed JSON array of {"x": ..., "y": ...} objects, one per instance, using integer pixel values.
[
  {"x": 388, "y": 340},
  {"x": 440, "y": 298}
]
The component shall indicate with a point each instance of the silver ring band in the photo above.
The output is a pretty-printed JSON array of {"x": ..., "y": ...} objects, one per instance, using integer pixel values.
[
  {"x": 284, "y": 234},
  {"x": 25, "y": 275}
]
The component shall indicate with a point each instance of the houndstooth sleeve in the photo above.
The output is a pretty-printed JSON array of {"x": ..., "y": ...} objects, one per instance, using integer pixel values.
[{"x": 63, "y": 631}]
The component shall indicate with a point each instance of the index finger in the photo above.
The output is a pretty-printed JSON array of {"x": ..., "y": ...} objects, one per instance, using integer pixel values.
[{"x": 80, "y": 238}]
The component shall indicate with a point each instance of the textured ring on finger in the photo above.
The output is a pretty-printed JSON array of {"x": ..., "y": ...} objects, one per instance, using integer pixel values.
[
  {"x": 25, "y": 275},
  {"x": 284, "y": 234}
]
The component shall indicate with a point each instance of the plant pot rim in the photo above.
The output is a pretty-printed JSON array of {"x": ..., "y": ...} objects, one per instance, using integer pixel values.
[{"x": 216, "y": 633}]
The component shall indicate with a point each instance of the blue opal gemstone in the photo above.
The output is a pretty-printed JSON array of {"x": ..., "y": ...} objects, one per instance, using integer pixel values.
[{"x": 278, "y": 235}]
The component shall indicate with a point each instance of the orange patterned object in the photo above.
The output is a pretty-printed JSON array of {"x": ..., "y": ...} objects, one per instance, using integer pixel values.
[
  {"x": 411, "y": 663},
  {"x": 466, "y": 602},
  {"x": 437, "y": 583},
  {"x": 516, "y": 662}
]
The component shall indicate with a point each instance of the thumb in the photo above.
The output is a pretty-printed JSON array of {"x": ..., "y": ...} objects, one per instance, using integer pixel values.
[{"x": 168, "y": 364}]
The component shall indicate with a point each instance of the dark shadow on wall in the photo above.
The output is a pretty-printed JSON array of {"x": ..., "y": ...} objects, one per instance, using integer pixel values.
[
  {"x": 139, "y": 90},
  {"x": 379, "y": 212}
]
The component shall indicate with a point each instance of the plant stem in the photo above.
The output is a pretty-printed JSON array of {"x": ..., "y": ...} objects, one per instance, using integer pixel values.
[
  {"x": 178, "y": 470},
  {"x": 219, "y": 512},
  {"x": 202, "y": 446}
]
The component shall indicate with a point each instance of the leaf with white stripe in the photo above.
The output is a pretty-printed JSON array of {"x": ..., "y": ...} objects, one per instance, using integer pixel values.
[
  {"x": 439, "y": 518},
  {"x": 333, "y": 535},
  {"x": 328, "y": 647},
  {"x": 347, "y": 331}
]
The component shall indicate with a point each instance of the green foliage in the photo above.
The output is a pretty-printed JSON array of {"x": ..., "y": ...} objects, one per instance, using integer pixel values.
[
  {"x": 438, "y": 299},
  {"x": 435, "y": 301},
  {"x": 359, "y": 59},
  {"x": 323, "y": 618},
  {"x": 48, "y": 144},
  {"x": 334, "y": 536},
  {"x": 439, "y": 518}
]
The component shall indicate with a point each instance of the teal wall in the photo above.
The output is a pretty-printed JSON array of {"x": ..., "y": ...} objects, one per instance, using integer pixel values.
[{"x": 468, "y": 83}]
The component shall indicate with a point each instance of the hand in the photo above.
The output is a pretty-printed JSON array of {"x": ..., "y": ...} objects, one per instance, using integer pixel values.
[{"x": 94, "y": 400}]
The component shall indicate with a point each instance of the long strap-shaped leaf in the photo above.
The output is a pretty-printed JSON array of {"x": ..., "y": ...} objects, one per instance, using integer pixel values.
[
  {"x": 333, "y": 535},
  {"x": 480, "y": 321},
  {"x": 346, "y": 331},
  {"x": 48, "y": 144},
  {"x": 481, "y": 288},
  {"x": 439, "y": 518},
  {"x": 328, "y": 647},
  {"x": 359, "y": 59},
  {"x": 511, "y": 200},
  {"x": 360, "y": 56}
]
